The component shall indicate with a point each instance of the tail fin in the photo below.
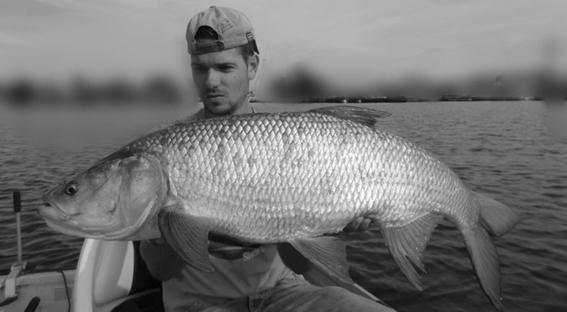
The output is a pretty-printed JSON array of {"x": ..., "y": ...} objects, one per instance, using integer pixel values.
[
  {"x": 498, "y": 217},
  {"x": 486, "y": 264}
]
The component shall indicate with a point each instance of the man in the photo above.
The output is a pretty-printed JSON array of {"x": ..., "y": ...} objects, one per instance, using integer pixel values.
[{"x": 247, "y": 277}]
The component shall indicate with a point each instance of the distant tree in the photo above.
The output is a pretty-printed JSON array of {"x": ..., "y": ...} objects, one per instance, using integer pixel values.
[
  {"x": 22, "y": 92},
  {"x": 119, "y": 91},
  {"x": 162, "y": 89},
  {"x": 551, "y": 87},
  {"x": 50, "y": 94},
  {"x": 306, "y": 84},
  {"x": 84, "y": 92},
  {"x": 280, "y": 88}
]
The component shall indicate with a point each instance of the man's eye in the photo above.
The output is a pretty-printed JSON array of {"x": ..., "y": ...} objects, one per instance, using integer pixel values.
[{"x": 225, "y": 68}]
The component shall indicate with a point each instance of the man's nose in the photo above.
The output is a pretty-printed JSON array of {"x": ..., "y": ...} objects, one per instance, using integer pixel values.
[{"x": 213, "y": 78}]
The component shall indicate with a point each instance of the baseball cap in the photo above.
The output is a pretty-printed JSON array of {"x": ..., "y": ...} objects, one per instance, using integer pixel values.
[{"x": 227, "y": 29}]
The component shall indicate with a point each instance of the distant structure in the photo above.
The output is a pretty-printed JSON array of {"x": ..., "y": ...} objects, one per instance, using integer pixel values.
[
  {"x": 498, "y": 81},
  {"x": 552, "y": 87}
]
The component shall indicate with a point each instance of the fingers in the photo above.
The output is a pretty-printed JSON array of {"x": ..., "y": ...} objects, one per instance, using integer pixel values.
[
  {"x": 359, "y": 224},
  {"x": 353, "y": 225},
  {"x": 365, "y": 224}
]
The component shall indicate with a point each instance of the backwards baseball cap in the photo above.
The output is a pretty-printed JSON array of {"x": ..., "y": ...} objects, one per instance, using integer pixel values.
[{"x": 224, "y": 29}]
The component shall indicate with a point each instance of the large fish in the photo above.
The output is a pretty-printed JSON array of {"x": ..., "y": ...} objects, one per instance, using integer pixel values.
[{"x": 280, "y": 178}]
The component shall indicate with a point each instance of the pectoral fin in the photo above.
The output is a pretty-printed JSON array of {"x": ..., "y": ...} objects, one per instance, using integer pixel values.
[
  {"x": 327, "y": 253},
  {"x": 187, "y": 235}
]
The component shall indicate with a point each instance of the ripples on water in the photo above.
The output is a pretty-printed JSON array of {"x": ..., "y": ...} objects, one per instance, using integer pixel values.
[{"x": 501, "y": 149}]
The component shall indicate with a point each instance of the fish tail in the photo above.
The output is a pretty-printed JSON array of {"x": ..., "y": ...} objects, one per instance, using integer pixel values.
[
  {"x": 485, "y": 262},
  {"x": 497, "y": 217}
]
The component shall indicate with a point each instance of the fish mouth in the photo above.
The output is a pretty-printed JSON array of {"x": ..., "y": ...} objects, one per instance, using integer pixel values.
[
  {"x": 53, "y": 213},
  {"x": 70, "y": 228},
  {"x": 49, "y": 210},
  {"x": 61, "y": 221},
  {"x": 71, "y": 224}
]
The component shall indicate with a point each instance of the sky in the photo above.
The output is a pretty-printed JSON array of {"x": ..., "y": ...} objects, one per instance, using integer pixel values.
[{"x": 348, "y": 41}]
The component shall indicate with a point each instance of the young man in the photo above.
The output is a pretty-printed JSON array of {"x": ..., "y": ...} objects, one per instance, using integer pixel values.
[{"x": 247, "y": 277}]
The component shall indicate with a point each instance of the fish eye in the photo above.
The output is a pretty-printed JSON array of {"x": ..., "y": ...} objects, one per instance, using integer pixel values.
[{"x": 72, "y": 188}]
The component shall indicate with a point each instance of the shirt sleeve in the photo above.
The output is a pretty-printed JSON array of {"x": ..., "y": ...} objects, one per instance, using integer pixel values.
[{"x": 162, "y": 261}]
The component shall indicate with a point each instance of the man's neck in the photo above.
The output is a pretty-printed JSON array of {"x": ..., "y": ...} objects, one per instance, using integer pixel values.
[{"x": 245, "y": 108}]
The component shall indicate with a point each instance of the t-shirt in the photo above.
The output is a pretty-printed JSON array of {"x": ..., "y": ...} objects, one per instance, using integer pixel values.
[{"x": 231, "y": 278}]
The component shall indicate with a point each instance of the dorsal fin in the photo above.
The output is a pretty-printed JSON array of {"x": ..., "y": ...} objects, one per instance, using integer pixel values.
[{"x": 365, "y": 116}]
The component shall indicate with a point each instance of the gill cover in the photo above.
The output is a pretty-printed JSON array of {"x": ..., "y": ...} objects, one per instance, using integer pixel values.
[{"x": 142, "y": 193}]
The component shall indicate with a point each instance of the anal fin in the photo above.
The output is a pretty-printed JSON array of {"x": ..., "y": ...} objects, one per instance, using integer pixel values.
[
  {"x": 187, "y": 235},
  {"x": 407, "y": 243},
  {"x": 327, "y": 253}
]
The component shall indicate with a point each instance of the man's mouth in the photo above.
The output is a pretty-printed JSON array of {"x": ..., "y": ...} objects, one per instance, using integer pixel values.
[{"x": 213, "y": 95}]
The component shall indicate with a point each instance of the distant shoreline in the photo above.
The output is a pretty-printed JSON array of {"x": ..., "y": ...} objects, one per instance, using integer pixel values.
[
  {"x": 178, "y": 101},
  {"x": 400, "y": 99}
]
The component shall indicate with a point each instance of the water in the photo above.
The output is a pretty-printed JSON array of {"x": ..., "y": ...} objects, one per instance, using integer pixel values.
[{"x": 500, "y": 148}]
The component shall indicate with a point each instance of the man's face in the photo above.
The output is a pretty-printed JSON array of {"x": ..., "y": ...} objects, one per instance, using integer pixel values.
[{"x": 222, "y": 79}]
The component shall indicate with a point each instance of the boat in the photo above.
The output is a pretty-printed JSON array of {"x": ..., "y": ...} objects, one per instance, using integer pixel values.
[{"x": 110, "y": 277}]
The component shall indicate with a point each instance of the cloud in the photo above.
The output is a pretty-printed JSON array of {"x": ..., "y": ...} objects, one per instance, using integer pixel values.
[
  {"x": 380, "y": 37},
  {"x": 58, "y": 3},
  {"x": 10, "y": 41}
]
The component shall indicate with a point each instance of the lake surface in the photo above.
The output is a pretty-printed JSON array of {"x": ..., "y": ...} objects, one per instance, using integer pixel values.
[{"x": 499, "y": 148}]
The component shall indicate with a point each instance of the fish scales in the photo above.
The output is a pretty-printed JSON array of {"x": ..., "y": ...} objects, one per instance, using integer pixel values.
[{"x": 278, "y": 177}]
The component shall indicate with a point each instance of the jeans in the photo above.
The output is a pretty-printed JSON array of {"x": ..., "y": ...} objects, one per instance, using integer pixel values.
[{"x": 288, "y": 295}]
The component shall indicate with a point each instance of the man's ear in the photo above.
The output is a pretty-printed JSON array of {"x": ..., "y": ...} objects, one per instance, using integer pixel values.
[{"x": 253, "y": 62}]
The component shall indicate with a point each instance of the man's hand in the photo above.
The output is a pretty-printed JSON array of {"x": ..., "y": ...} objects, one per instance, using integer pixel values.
[{"x": 359, "y": 224}]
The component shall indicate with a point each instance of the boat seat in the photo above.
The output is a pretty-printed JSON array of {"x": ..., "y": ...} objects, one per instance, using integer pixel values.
[
  {"x": 111, "y": 276},
  {"x": 143, "y": 280}
]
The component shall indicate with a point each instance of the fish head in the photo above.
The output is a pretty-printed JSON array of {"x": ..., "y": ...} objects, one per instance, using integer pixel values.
[{"x": 113, "y": 200}]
